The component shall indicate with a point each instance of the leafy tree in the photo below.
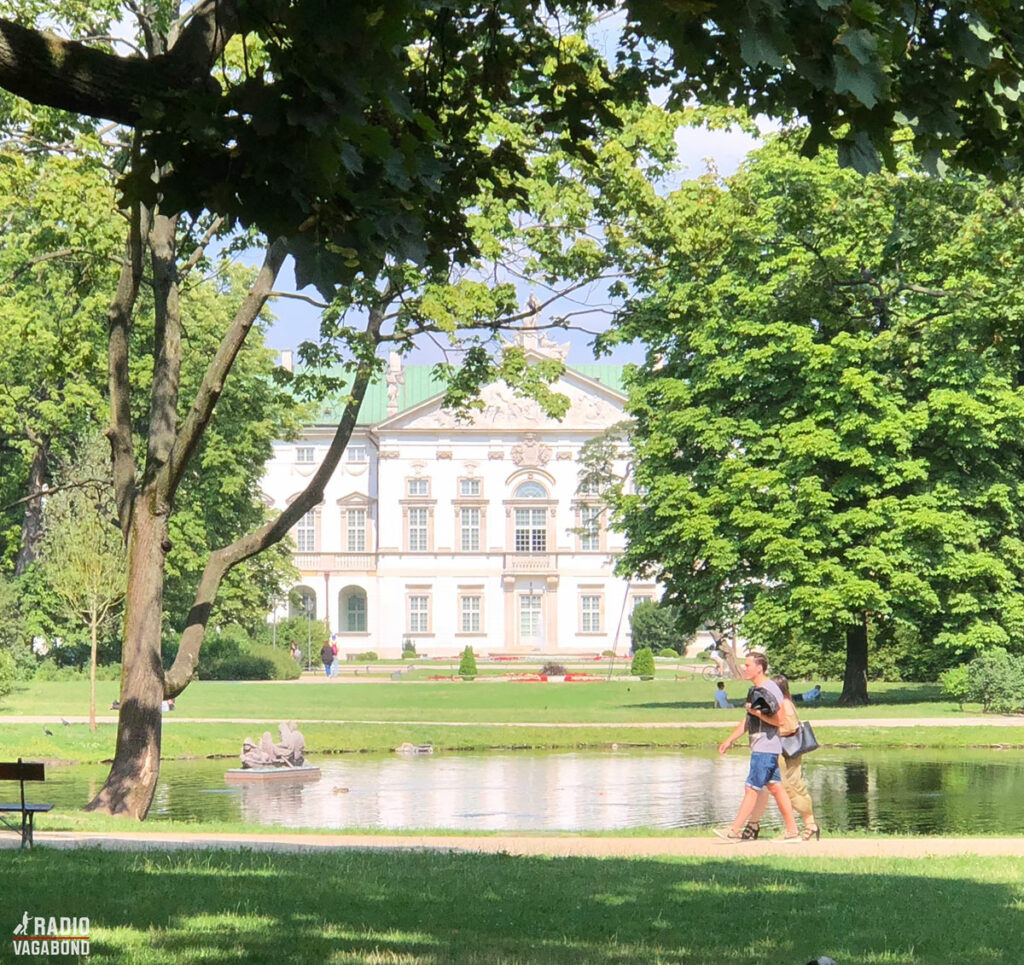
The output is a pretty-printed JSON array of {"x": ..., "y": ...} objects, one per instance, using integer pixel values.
[
  {"x": 467, "y": 663},
  {"x": 643, "y": 663},
  {"x": 84, "y": 556},
  {"x": 357, "y": 138},
  {"x": 655, "y": 626},
  {"x": 829, "y": 433},
  {"x": 61, "y": 237}
]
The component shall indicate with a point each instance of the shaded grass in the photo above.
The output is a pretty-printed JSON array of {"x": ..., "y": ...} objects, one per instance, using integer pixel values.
[{"x": 448, "y": 909}]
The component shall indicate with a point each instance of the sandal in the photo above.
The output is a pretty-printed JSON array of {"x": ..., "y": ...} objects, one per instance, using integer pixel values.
[
  {"x": 751, "y": 831},
  {"x": 811, "y": 832},
  {"x": 728, "y": 834}
]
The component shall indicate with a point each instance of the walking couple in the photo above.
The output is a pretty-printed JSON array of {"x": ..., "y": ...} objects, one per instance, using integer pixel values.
[{"x": 770, "y": 714}]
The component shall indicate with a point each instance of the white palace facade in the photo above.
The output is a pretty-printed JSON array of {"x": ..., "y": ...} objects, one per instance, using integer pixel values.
[{"x": 448, "y": 532}]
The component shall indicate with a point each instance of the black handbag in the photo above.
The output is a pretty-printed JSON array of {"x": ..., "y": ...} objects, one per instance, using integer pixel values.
[{"x": 802, "y": 742}]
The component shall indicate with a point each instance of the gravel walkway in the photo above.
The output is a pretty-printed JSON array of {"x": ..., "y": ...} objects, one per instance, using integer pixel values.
[{"x": 532, "y": 845}]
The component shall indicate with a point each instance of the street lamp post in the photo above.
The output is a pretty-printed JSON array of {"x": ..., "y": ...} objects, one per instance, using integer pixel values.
[{"x": 307, "y": 606}]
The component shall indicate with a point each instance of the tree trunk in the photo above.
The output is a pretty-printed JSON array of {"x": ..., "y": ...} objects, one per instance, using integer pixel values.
[
  {"x": 855, "y": 681},
  {"x": 132, "y": 780},
  {"x": 32, "y": 523},
  {"x": 94, "y": 629}
]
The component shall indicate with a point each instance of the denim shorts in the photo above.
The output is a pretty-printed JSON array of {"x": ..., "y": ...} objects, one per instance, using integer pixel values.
[{"x": 764, "y": 769}]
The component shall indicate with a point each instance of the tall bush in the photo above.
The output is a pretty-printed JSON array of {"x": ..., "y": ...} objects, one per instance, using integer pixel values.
[
  {"x": 995, "y": 679},
  {"x": 467, "y": 665},
  {"x": 643, "y": 663}
]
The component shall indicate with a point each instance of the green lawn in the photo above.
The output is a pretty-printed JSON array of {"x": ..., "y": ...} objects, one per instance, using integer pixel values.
[
  {"x": 633, "y": 701},
  {"x": 448, "y": 909}
]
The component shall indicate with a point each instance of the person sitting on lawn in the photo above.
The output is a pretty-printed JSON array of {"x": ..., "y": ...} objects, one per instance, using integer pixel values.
[{"x": 811, "y": 696}]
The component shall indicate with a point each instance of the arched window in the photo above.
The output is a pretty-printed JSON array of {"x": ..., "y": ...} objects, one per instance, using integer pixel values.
[
  {"x": 530, "y": 490},
  {"x": 352, "y": 607}
]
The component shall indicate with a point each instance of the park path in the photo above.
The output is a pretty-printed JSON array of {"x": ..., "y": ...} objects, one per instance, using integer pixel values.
[
  {"x": 726, "y": 722},
  {"x": 535, "y": 845}
]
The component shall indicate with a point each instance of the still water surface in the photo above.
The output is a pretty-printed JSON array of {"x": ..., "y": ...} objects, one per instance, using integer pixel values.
[{"x": 919, "y": 792}]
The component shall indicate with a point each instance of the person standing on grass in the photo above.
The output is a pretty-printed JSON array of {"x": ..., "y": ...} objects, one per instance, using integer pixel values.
[
  {"x": 327, "y": 656},
  {"x": 722, "y": 698},
  {"x": 765, "y": 748},
  {"x": 793, "y": 783}
]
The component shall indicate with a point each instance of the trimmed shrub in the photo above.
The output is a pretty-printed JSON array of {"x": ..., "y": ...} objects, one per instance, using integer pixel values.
[
  {"x": 467, "y": 663},
  {"x": 552, "y": 669},
  {"x": 667, "y": 652},
  {"x": 643, "y": 663},
  {"x": 367, "y": 655}
]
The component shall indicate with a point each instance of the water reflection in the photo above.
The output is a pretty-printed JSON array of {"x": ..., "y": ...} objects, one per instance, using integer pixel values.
[{"x": 922, "y": 792}]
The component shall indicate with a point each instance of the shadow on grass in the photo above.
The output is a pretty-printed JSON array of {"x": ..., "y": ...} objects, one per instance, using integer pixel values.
[{"x": 434, "y": 909}]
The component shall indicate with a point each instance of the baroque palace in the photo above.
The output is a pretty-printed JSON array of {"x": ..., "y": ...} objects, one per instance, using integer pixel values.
[{"x": 445, "y": 532}]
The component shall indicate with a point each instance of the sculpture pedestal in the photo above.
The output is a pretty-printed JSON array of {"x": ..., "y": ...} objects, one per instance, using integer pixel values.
[{"x": 261, "y": 774}]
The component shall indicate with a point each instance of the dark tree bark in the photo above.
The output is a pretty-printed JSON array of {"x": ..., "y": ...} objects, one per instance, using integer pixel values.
[
  {"x": 855, "y": 680},
  {"x": 130, "y": 786}
]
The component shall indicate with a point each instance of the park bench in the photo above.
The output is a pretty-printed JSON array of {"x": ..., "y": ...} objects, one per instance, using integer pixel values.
[{"x": 21, "y": 772}]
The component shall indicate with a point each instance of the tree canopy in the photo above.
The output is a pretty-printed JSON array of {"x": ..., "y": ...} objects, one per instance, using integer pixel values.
[{"x": 829, "y": 428}]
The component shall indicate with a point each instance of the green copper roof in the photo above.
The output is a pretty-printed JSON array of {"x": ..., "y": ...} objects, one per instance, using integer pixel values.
[{"x": 421, "y": 384}]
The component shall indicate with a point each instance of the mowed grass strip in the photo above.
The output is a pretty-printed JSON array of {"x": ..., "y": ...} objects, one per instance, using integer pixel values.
[
  {"x": 159, "y": 908},
  {"x": 182, "y": 741},
  {"x": 478, "y": 701}
]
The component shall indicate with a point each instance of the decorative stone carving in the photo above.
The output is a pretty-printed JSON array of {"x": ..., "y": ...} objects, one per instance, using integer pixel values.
[
  {"x": 502, "y": 409},
  {"x": 389, "y": 454},
  {"x": 444, "y": 453},
  {"x": 496, "y": 454},
  {"x": 287, "y": 753},
  {"x": 564, "y": 454},
  {"x": 531, "y": 452},
  {"x": 394, "y": 378}
]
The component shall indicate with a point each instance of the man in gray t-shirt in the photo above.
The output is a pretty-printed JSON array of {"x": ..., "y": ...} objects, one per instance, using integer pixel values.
[{"x": 765, "y": 747}]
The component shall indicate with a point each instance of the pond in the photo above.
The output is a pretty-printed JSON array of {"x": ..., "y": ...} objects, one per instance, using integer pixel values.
[{"x": 928, "y": 792}]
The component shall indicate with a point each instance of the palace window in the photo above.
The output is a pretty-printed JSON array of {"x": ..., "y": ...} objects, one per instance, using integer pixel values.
[
  {"x": 590, "y": 613},
  {"x": 470, "y": 607},
  {"x": 305, "y": 454},
  {"x": 355, "y": 523},
  {"x": 590, "y": 527},
  {"x": 469, "y": 518},
  {"x": 419, "y": 526},
  {"x": 531, "y": 530},
  {"x": 419, "y": 487},
  {"x": 305, "y": 533},
  {"x": 419, "y": 614}
]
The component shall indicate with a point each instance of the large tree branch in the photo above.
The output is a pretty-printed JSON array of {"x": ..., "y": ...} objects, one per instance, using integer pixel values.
[
  {"x": 119, "y": 319},
  {"x": 163, "y": 409},
  {"x": 47, "y": 69},
  {"x": 222, "y": 560},
  {"x": 217, "y": 372}
]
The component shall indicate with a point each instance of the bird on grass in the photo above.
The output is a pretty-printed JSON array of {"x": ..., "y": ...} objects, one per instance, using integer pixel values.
[
  {"x": 66, "y": 723},
  {"x": 822, "y": 960},
  {"x": 48, "y": 732}
]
